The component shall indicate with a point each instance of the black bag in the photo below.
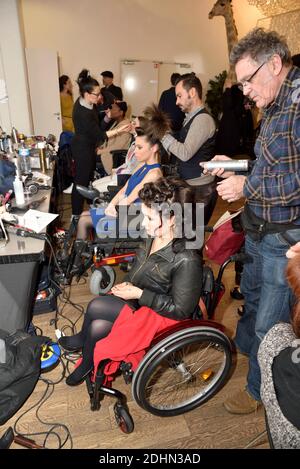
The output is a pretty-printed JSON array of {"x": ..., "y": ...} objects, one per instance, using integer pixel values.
[
  {"x": 20, "y": 355},
  {"x": 64, "y": 164}
]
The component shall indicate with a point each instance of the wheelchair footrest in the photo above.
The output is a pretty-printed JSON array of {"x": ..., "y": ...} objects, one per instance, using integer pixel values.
[{"x": 126, "y": 369}]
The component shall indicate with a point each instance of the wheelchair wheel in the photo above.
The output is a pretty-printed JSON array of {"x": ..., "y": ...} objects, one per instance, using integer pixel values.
[
  {"x": 182, "y": 371},
  {"x": 102, "y": 280},
  {"x": 123, "y": 419}
]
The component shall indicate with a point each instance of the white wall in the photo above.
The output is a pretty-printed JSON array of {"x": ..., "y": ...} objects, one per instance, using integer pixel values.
[
  {"x": 17, "y": 113},
  {"x": 97, "y": 34}
]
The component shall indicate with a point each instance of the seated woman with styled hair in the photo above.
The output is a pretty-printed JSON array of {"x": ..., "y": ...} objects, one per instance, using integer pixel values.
[
  {"x": 166, "y": 277},
  {"x": 147, "y": 152}
]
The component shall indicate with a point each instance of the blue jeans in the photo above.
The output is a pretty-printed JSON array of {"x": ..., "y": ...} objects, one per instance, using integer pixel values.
[{"x": 268, "y": 298}]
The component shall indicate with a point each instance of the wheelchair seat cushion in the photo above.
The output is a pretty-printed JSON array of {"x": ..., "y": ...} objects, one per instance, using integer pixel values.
[{"x": 129, "y": 339}]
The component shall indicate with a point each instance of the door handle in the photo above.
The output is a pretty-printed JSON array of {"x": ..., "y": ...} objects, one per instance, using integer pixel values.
[{"x": 56, "y": 113}]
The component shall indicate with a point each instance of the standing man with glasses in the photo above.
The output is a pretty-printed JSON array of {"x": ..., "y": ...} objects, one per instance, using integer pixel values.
[{"x": 271, "y": 217}]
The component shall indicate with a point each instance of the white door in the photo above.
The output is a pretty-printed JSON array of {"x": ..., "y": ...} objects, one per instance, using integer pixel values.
[
  {"x": 139, "y": 83},
  {"x": 5, "y": 120},
  {"x": 165, "y": 71},
  {"x": 42, "y": 67}
]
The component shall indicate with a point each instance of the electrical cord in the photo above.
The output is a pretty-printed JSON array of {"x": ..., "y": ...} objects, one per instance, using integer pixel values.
[
  {"x": 63, "y": 295},
  {"x": 55, "y": 426}
]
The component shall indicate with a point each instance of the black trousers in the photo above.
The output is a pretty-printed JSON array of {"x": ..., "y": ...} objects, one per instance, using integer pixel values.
[
  {"x": 85, "y": 162},
  {"x": 207, "y": 194}
]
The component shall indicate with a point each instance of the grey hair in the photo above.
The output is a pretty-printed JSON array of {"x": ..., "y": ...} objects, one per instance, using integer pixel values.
[{"x": 261, "y": 45}]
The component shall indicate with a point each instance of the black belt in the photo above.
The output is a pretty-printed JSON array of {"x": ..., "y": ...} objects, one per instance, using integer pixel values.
[{"x": 257, "y": 227}]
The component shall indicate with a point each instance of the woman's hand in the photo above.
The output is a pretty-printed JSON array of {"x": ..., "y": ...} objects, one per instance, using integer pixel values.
[
  {"x": 127, "y": 291},
  {"x": 218, "y": 171},
  {"x": 125, "y": 128},
  {"x": 111, "y": 211}
]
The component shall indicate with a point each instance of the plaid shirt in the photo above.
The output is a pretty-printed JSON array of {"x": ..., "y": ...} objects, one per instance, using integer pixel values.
[{"x": 273, "y": 187}]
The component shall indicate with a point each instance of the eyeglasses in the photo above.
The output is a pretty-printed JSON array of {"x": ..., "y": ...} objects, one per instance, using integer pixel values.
[
  {"x": 96, "y": 94},
  {"x": 243, "y": 83}
]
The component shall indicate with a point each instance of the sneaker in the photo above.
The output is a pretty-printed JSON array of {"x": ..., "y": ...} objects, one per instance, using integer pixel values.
[
  {"x": 69, "y": 189},
  {"x": 241, "y": 403}
]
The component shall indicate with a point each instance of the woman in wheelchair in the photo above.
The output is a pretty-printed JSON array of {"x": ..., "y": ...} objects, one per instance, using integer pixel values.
[
  {"x": 166, "y": 276},
  {"x": 147, "y": 152}
]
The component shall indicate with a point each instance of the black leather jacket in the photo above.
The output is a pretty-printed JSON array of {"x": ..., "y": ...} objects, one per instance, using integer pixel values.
[{"x": 171, "y": 282}]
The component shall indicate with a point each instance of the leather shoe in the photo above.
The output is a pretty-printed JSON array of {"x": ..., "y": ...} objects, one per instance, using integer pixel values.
[
  {"x": 7, "y": 438},
  {"x": 64, "y": 342},
  {"x": 77, "y": 377},
  {"x": 241, "y": 403}
]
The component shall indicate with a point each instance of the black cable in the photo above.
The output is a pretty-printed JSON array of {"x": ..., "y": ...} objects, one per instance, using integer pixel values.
[
  {"x": 63, "y": 293},
  {"x": 54, "y": 425}
]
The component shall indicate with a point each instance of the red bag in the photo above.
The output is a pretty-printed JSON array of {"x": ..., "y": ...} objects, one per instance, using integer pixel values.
[{"x": 226, "y": 239}]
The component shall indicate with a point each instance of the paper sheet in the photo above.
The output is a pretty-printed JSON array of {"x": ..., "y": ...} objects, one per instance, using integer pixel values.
[{"x": 36, "y": 220}]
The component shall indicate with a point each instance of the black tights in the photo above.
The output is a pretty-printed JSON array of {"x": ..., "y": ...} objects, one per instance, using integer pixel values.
[{"x": 100, "y": 315}]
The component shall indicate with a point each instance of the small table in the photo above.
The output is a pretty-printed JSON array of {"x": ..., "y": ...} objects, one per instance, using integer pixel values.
[{"x": 19, "y": 262}]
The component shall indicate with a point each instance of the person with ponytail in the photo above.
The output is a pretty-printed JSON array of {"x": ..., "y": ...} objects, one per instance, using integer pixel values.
[
  {"x": 147, "y": 152},
  {"x": 89, "y": 135},
  {"x": 165, "y": 279},
  {"x": 279, "y": 361}
]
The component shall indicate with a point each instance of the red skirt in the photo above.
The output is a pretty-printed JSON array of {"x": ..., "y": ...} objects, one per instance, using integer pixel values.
[{"x": 129, "y": 339}]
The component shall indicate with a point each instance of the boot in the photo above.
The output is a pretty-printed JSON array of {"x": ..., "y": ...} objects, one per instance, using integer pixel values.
[{"x": 241, "y": 403}]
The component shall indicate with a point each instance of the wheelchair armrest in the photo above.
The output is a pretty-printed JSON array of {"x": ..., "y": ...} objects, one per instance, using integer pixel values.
[
  {"x": 102, "y": 197},
  {"x": 113, "y": 189},
  {"x": 88, "y": 193}
]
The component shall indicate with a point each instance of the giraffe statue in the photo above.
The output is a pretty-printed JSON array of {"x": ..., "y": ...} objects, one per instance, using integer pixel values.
[{"x": 224, "y": 8}]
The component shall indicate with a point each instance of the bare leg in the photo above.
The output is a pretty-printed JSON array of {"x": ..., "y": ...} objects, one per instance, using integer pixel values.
[{"x": 85, "y": 222}]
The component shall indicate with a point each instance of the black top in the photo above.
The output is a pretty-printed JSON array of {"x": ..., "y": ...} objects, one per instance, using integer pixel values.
[
  {"x": 171, "y": 281},
  {"x": 115, "y": 90},
  {"x": 167, "y": 103},
  {"x": 87, "y": 126},
  {"x": 286, "y": 375},
  {"x": 191, "y": 169},
  {"x": 235, "y": 133}
]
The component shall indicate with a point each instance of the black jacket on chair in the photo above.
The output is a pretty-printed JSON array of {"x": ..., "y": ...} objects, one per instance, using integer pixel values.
[{"x": 171, "y": 281}]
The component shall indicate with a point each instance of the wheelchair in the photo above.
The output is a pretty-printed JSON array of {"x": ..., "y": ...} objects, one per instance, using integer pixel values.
[
  {"x": 76, "y": 257},
  {"x": 184, "y": 366}
]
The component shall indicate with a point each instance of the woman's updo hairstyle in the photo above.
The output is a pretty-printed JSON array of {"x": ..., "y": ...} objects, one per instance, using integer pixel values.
[
  {"x": 164, "y": 193},
  {"x": 154, "y": 125},
  {"x": 293, "y": 277},
  {"x": 167, "y": 190},
  {"x": 86, "y": 83}
]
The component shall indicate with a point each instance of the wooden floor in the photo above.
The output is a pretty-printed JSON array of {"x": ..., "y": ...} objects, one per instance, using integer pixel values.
[{"x": 209, "y": 426}]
